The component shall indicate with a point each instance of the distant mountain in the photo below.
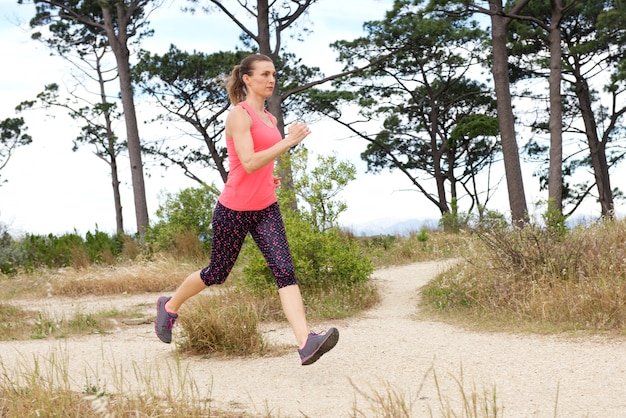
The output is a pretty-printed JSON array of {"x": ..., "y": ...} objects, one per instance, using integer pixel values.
[{"x": 386, "y": 226}]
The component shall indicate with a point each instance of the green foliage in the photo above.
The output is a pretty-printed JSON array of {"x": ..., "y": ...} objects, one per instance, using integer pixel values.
[
  {"x": 323, "y": 259},
  {"x": 49, "y": 250},
  {"x": 10, "y": 256},
  {"x": 453, "y": 220},
  {"x": 35, "y": 251},
  {"x": 423, "y": 235},
  {"x": 438, "y": 124},
  {"x": 319, "y": 187},
  {"x": 555, "y": 220},
  {"x": 12, "y": 136},
  {"x": 103, "y": 248},
  {"x": 189, "y": 211}
]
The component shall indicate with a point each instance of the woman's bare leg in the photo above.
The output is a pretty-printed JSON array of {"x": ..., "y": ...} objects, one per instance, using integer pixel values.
[
  {"x": 293, "y": 307},
  {"x": 191, "y": 286}
]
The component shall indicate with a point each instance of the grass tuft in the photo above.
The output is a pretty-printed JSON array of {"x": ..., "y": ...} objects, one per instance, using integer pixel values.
[
  {"x": 534, "y": 279},
  {"x": 222, "y": 324}
]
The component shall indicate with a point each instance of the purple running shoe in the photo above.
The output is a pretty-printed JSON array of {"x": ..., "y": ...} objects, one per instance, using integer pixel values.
[
  {"x": 317, "y": 345},
  {"x": 164, "y": 321}
]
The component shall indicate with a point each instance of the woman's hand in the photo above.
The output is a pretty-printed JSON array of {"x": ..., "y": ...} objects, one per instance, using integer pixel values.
[
  {"x": 297, "y": 132},
  {"x": 277, "y": 181}
]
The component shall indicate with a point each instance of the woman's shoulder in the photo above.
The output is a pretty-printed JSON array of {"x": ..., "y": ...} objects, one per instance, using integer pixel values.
[
  {"x": 238, "y": 120},
  {"x": 238, "y": 113}
]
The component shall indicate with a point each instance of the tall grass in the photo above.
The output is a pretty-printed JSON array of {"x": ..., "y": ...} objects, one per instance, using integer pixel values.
[
  {"x": 390, "y": 402},
  {"x": 157, "y": 274},
  {"x": 43, "y": 386},
  {"x": 539, "y": 279}
]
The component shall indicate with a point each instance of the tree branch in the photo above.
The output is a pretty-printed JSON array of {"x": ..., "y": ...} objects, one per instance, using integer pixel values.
[{"x": 234, "y": 19}]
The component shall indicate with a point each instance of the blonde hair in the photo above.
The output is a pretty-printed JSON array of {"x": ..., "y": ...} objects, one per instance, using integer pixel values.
[{"x": 235, "y": 86}]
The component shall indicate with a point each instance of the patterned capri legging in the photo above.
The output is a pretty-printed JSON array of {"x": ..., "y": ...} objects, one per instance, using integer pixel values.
[{"x": 268, "y": 231}]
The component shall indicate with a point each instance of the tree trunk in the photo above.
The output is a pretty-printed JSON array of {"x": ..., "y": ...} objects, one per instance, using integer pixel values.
[
  {"x": 440, "y": 177},
  {"x": 115, "y": 182},
  {"x": 555, "y": 174},
  {"x": 596, "y": 147},
  {"x": 112, "y": 155},
  {"x": 119, "y": 46},
  {"x": 500, "y": 70},
  {"x": 274, "y": 103}
]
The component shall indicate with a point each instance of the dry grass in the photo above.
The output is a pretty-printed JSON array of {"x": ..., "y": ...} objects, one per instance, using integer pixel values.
[
  {"x": 17, "y": 323},
  {"x": 470, "y": 403},
  {"x": 390, "y": 402},
  {"x": 44, "y": 387},
  {"x": 535, "y": 280},
  {"x": 162, "y": 274},
  {"x": 221, "y": 324},
  {"x": 157, "y": 274},
  {"x": 389, "y": 250}
]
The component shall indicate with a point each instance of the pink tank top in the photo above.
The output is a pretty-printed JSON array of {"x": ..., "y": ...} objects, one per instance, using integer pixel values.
[{"x": 254, "y": 191}]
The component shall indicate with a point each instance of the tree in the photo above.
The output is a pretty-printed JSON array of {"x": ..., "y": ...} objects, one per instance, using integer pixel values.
[
  {"x": 12, "y": 135},
  {"x": 97, "y": 130},
  {"x": 593, "y": 42},
  {"x": 500, "y": 71},
  {"x": 120, "y": 20},
  {"x": 500, "y": 20},
  {"x": 319, "y": 188},
  {"x": 87, "y": 51},
  {"x": 190, "y": 88},
  {"x": 422, "y": 93},
  {"x": 552, "y": 25},
  {"x": 273, "y": 20}
]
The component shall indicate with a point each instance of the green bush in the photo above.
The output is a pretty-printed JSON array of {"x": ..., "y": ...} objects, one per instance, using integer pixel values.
[
  {"x": 35, "y": 251},
  {"x": 323, "y": 259},
  {"x": 103, "y": 248},
  {"x": 188, "y": 212},
  {"x": 10, "y": 256},
  {"x": 49, "y": 250}
]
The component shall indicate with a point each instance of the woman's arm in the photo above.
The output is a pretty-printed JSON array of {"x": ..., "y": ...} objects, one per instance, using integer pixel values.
[{"x": 238, "y": 125}]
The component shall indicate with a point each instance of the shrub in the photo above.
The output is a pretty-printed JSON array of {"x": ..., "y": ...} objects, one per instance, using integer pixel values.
[
  {"x": 68, "y": 250},
  {"x": 103, "y": 248},
  {"x": 323, "y": 260},
  {"x": 224, "y": 323},
  {"x": 10, "y": 256},
  {"x": 49, "y": 250},
  {"x": 541, "y": 275},
  {"x": 184, "y": 216}
]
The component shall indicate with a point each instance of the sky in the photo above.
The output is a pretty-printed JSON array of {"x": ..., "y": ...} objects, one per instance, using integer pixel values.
[{"x": 51, "y": 189}]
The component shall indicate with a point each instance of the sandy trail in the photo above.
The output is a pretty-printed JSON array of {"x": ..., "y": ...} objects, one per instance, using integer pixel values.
[{"x": 389, "y": 349}]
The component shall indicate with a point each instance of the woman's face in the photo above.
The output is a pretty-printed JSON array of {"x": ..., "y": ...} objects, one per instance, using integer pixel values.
[{"x": 262, "y": 80}]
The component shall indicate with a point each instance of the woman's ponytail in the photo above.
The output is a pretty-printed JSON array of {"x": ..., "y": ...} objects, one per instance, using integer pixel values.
[{"x": 235, "y": 87}]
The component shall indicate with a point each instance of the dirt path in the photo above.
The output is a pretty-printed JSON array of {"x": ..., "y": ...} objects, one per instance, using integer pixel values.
[{"x": 389, "y": 350}]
